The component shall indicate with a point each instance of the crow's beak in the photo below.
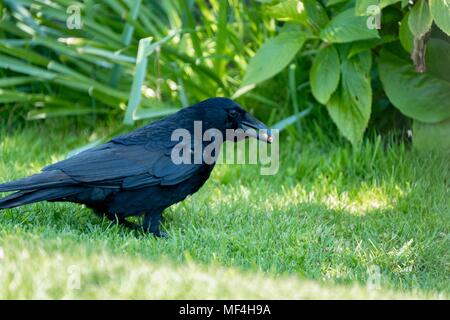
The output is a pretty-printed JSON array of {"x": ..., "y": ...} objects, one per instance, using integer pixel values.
[{"x": 256, "y": 129}]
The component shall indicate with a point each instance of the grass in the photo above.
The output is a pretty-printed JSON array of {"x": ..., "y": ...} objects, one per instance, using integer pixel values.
[{"x": 333, "y": 223}]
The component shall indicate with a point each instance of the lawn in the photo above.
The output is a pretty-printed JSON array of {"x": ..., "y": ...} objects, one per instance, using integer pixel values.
[{"x": 333, "y": 223}]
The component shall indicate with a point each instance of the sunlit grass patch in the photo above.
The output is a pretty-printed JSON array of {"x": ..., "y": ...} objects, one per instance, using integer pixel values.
[{"x": 362, "y": 201}]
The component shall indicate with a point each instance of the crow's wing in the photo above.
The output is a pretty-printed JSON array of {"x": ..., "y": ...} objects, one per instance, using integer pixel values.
[{"x": 115, "y": 165}]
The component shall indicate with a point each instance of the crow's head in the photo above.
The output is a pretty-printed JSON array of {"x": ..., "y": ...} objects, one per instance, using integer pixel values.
[{"x": 224, "y": 113}]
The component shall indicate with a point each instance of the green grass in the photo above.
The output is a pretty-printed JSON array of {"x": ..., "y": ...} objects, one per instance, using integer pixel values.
[{"x": 321, "y": 228}]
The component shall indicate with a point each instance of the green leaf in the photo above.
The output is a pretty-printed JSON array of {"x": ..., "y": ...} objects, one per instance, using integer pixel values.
[
  {"x": 361, "y": 6},
  {"x": 146, "y": 48},
  {"x": 138, "y": 80},
  {"x": 437, "y": 58},
  {"x": 363, "y": 45},
  {"x": 427, "y": 136},
  {"x": 316, "y": 14},
  {"x": 25, "y": 68},
  {"x": 221, "y": 37},
  {"x": 420, "y": 18},
  {"x": 113, "y": 56},
  {"x": 405, "y": 35},
  {"x": 309, "y": 13},
  {"x": 350, "y": 106},
  {"x": 330, "y": 3},
  {"x": 289, "y": 10},
  {"x": 325, "y": 73},
  {"x": 7, "y": 96},
  {"x": 440, "y": 10},
  {"x": 274, "y": 55},
  {"x": 149, "y": 113},
  {"x": 421, "y": 96},
  {"x": 386, "y": 3},
  {"x": 16, "y": 81},
  {"x": 51, "y": 112},
  {"x": 283, "y": 124},
  {"x": 346, "y": 27},
  {"x": 188, "y": 22}
]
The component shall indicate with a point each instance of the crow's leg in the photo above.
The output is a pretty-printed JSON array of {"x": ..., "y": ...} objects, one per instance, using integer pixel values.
[
  {"x": 103, "y": 212},
  {"x": 152, "y": 222}
]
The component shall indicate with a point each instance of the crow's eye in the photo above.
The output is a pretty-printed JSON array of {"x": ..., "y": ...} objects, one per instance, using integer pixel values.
[{"x": 233, "y": 113}]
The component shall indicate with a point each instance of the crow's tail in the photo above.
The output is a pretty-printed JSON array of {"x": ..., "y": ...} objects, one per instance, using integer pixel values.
[
  {"x": 47, "y": 185},
  {"x": 45, "y": 179},
  {"x": 30, "y": 196}
]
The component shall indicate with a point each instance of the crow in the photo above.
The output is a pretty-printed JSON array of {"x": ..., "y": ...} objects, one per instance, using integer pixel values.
[{"x": 134, "y": 174}]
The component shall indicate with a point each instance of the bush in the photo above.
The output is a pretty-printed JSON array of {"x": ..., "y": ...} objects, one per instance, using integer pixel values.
[
  {"x": 139, "y": 59},
  {"x": 361, "y": 42}
]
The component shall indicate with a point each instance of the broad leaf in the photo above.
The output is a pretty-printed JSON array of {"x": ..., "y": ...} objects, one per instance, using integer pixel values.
[
  {"x": 435, "y": 136},
  {"x": 405, "y": 34},
  {"x": 438, "y": 58},
  {"x": 424, "y": 97},
  {"x": 289, "y": 10},
  {"x": 440, "y": 10},
  {"x": 350, "y": 106},
  {"x": 274, "y": 55},
  {"x": 420, "y": 19},
  {"x": 317, "y": 16},
  {"x": 363, "y": 45},
  {"x": 347, "y": 27},
  {"x": 325, "y": 73},
  {"x": 386, "y": 3},
  {"x": 362, "y": 7},
  {"x": 310, "y": 13},
  {"x": 330, "y": 3}
]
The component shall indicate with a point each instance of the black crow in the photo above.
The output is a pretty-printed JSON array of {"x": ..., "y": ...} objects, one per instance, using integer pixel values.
[{"x": 134, "y": 174}]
